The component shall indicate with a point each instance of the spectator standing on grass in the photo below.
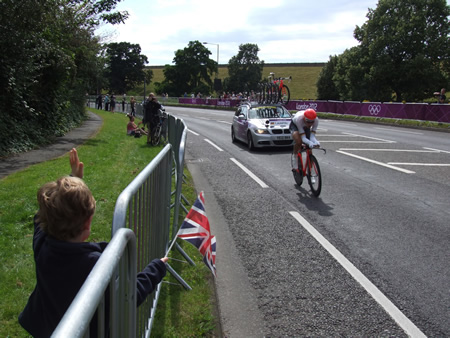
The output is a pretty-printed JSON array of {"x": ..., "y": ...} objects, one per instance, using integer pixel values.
[
  {"x": 113, "y": 102},
  {"x": 151, "y": 114},
  {"x": 441, "y": 96},
  {"x": 62, "y": 256},
  {"x": 99, "y": 101},
  {"x": 107, "y": 102},
  {"x": 123, "y": 104},
  {"x": 133, "y": 106}
]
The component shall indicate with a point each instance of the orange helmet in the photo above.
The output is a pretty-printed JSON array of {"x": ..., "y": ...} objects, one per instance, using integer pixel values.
[{"x": 309, "y": 115}]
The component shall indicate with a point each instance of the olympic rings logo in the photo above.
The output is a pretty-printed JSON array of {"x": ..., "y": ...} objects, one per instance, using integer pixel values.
[{"x": 374, "y": 109}]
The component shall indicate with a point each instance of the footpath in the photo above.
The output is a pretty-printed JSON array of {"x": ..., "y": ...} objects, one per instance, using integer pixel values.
[{"x": 60, "y": 147}]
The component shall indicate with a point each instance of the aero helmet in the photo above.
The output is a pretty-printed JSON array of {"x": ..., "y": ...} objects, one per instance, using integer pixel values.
[{"x": 310, "y": 115}]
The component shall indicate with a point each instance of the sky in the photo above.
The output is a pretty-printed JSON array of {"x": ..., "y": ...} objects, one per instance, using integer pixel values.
[{"x": 284, "y": 30}]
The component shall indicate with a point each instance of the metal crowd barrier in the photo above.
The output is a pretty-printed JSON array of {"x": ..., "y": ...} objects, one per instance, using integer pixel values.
[{"x": 143, "y": 216}]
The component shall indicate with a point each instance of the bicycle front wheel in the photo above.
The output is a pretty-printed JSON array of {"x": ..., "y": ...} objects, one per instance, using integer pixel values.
[
  {"x": 314, "y": 176},
  {"x": 298, "y": 174},
  {"x": 284, "y": 94}
]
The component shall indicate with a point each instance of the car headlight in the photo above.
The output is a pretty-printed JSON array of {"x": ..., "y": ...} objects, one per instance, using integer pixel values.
[{"x": 261, "y": 131}]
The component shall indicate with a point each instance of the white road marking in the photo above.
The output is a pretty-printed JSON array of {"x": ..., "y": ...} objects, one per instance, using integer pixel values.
[
  {"x": 345, "y": 141},
  {"x": 441, "y": 151},
  {"x": 422, "y": 164},
  {"x": 214, "y": 145},
  {"x": 400, "y": 131},
  {"x": 376, "y": 162},
  {"x": 193, "y": 132},
  {"x": 372, "y": 138},
  {"x": 395, "y": 150},
  {"x": 226, "y": 122},
  {"x": 249, "y": 173},
  {"x": 338, "y": 135},
  {"x": 409, "y": 327}
]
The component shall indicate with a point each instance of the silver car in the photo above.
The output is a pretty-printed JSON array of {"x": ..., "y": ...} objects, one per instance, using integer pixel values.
[{"x": 262, "y": 125}]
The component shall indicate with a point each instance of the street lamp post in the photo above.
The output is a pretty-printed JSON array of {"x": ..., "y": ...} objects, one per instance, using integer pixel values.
[{"x": 216, "y": 44}]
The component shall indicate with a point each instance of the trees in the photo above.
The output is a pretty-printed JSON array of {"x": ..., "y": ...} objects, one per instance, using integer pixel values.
[
  {"x": 403, "y": 53},
  {"x": 326, "y": 88},
  {"x": 244, "y": 69},
  {"x": 49, "y": 58},
  {"x": 191, "y": 73},
  {"x": 125, "y": 66}
]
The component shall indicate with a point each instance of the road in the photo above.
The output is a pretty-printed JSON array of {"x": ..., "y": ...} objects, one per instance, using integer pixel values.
[{"x": 369, "y": 257}]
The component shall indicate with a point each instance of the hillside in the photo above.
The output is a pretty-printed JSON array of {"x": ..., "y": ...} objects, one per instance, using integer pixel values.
[{"x": 302, "y": 86}]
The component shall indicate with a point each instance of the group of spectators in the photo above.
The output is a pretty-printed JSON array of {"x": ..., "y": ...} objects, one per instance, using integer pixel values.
[
  {"x": 151, "y": 118},
  {"x": 109, "y": 102}
]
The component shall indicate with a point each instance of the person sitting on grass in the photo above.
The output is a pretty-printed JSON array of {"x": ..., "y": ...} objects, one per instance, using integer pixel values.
[
  {"x": 133, "y": 129},
  {"x": 62, "y": 256}
]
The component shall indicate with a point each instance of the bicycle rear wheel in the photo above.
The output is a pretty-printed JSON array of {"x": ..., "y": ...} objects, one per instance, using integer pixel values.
[
  {"x": 156, "y": 136},
  {"x": 298, "y": 174},
  {"x": 284, "y": 94},
  {"x": 314, "y": 176}
]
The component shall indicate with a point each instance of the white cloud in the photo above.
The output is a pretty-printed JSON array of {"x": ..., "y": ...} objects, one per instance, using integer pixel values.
[{"x": 284, "y": 30}]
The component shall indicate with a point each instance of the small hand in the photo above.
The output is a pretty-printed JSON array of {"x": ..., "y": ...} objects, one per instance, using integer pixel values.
[
  {"x": 311, "y": 145},
  {"x": 75, "y": 164},
  {"x": 165, "y": 259}
]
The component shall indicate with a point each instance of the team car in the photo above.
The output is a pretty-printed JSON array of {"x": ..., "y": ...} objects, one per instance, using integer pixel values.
[{"x": 262, "y": 125}]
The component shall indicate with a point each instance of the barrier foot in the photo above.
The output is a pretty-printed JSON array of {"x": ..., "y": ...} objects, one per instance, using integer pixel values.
[
  {"x": 184, "y": 254},
  {"x": 178, "y": 278}
]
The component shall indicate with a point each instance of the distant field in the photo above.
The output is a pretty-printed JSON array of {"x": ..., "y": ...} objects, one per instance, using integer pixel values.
[{"x": 302, "y": 86}]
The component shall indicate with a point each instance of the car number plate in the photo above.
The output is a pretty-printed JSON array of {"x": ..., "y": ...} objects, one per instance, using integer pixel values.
[{"x": 283, "y": 137}]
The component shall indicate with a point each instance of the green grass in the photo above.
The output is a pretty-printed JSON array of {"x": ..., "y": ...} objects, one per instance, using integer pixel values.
[
  {"x": 302, "y": 86},
  {"x": 112, "y": 160}
]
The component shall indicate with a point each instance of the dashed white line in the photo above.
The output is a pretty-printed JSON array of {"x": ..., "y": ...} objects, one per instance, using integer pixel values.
[
  {"x": 406, "y": 171},
  {"x": 441, "y": 151},
  {"x": 193, "y": 132},
  {"x": 226, "y": 122},
  {"x": 214, "y": 145},
  {"x": 409, "y": 327},
  {"x": 249, "y": 173},
  {"x": 422, "y": 164},
  {"x": 372, "y": 138},
  {"x": 391, "y": 150},
  {"x": 400, "y": 131}
]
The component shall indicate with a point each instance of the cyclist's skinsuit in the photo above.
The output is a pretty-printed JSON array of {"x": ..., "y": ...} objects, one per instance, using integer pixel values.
[{"x": 298, "y": 124}]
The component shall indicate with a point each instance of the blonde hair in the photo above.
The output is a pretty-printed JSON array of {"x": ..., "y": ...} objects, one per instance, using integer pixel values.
[{"x": 64, "y": 207}]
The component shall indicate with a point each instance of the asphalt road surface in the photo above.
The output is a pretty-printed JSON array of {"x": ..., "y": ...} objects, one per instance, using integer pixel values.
[{"x": 369, "y": 257}]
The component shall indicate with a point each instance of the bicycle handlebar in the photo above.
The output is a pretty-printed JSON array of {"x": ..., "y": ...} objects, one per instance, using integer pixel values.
[{"x": 315, "y": 148}]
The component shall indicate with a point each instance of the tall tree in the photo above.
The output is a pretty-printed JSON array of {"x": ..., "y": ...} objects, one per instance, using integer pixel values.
[
  {"x": 244, "y": 69},
  {"x": 405, "y": 44},
  {"x": 48, "y": 56},
  {"x": 192, "y": 71},
  {"x": 125, "y": 66},
  {"x": 326, "y": 88}
]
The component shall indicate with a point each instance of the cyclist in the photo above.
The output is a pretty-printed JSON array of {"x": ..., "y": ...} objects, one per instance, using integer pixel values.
[{"x": 303, "y": 129}]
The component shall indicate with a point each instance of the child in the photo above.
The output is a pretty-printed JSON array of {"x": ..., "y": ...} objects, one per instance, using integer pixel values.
[
  {"x": 133, "y": 129},
  {"x": 63, "y": 259}
]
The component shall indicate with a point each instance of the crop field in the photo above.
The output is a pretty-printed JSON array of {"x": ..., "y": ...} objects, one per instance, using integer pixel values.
[{"x": 302, "y": 87}]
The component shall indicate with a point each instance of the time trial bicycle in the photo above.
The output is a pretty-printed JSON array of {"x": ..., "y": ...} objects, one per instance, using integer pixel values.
[
  {"x": 280, "y": 91},
  {"x": 274, "y": 90},
  {"x": 308, "y": 167}
]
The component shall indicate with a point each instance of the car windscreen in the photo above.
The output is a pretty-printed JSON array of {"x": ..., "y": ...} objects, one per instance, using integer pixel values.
[{"x": 268, "y": 112}]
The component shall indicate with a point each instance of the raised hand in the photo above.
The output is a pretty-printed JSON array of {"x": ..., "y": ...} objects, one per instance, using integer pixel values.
[{"x": 75, "y": 164}]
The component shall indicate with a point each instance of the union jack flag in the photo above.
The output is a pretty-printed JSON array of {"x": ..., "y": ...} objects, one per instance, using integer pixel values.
[{"x": 195, "y": 229}]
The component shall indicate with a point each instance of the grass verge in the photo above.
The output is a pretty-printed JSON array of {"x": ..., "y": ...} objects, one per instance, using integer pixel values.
[{"x": 112, "y": 160}]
